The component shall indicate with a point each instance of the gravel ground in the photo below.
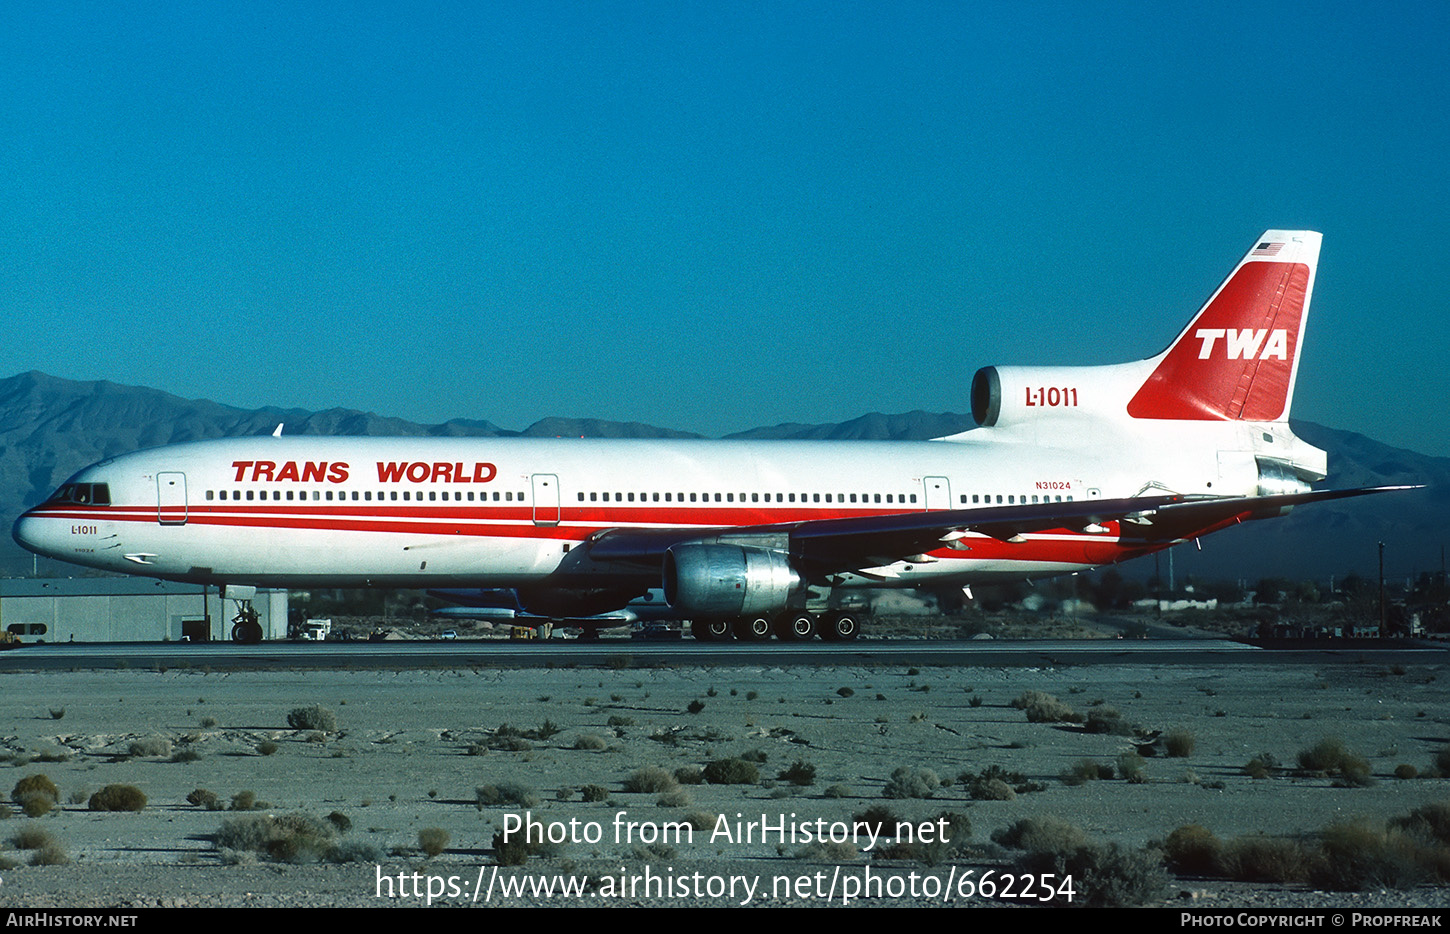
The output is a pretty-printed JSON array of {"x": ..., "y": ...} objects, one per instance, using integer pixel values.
[{"x": 412, "y": 749}]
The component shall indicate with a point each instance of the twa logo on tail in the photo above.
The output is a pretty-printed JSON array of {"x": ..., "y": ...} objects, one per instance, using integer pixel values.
[
  {"x": 1244, "y": 344},
  {"x": 1238, "y": 357}
]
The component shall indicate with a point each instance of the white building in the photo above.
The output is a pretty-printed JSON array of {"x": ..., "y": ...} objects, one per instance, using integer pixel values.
[{"x": 127, "y": 609}]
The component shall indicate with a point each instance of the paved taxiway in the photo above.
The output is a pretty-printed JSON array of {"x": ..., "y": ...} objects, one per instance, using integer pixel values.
[{"x": 627, "y": 653}]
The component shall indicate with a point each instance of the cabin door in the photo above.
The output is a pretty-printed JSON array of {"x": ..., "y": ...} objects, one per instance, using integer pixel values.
[
  {"x": 171, "y": 498},
  {"x": 546, "y": 499}
]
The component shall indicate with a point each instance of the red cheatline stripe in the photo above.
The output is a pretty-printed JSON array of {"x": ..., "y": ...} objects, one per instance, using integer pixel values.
[{"x": 1063, "y": 546}]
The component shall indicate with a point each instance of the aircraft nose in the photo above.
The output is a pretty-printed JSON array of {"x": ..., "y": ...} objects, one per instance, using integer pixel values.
[{"x": 32, "y": 533}]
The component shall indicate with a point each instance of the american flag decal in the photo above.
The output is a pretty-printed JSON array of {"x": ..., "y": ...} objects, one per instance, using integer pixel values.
[{"x": 1267, "y": 249}]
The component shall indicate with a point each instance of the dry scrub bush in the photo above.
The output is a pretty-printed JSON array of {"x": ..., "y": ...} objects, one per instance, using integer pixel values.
[
  {"x": 878, "y": 819},
  {"x": 800, "y": 773},
  {"x": 1086, "y": 770},
  {"x": 205, "y": 799},
  {"x": 1044, "y": 708},
  {"x": 1360, "y": 856},
  {"x": 1265, "y": 859},
  {"x": 36, "y": 795},
  {"x": 677, "y": 798},
  {"x": 1193, "y": 850},
  {"x": 433, "y": 840},
  {"x": 1107, "y": 720},
  {"x": 1329, "y": 756},
  {"x": 907, "y": 782},
  {"x": 1179, "y": 743},
  {"x": 151, "y": 747},
  {"x": 1041, "y": 834},
  {"x": 289, "y": 838},
  {"x": 1107, "y": 876},
  {"x": 650, "y": 779},
  {"x": 118, "y": 798},
  {"x": 1132, "y": 767},
  {"x": 506, "y": 793},
  {"x": 35, "y": 783},
  {"x": 316, "y": 717},
  {"x": 30, "y": 837},
  {"x": 732, "y": 771}
]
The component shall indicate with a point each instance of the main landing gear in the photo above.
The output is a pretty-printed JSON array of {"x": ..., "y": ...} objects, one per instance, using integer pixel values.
[
  {"x": 245, "y": 626},
  {"x": 793, "y": 626}
]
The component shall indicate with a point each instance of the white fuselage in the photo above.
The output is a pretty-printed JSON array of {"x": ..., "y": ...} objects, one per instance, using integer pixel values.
[{"x": 502, "y": 512}]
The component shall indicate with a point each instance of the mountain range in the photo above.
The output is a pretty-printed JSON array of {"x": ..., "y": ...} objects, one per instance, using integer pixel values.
[{"x": 51, "y": 427}]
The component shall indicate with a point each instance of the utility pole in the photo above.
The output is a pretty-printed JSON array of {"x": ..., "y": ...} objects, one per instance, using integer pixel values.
[{"x": 1382, "y": 590}]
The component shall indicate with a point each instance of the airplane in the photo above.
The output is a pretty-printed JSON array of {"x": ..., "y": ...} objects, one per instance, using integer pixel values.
[{"x": 1069, "y": 468}]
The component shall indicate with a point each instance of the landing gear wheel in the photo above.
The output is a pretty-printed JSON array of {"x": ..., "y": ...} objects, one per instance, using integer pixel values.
[
  {"x": 753, "y": 629},
  {"x": 796, "y": 627},
  {"x": 714, "y": 630},
  {"x": 245, "y": 628},
  {"x": 840, "y": 627}
]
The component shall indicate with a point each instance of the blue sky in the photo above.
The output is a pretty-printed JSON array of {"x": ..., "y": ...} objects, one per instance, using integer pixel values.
[{"x": 714, "y": 218}]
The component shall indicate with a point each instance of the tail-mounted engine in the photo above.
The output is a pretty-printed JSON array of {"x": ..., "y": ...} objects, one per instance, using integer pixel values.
[
  {"x": 1010, "y": 395},
  {"x": 712, "y": 581}
]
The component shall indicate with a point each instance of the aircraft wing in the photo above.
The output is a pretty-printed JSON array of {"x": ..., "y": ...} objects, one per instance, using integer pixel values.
[{"x": 827, "y": 546}]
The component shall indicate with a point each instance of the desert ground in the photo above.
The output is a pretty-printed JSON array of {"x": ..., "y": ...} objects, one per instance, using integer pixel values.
[{"x": 459, "y": 751}]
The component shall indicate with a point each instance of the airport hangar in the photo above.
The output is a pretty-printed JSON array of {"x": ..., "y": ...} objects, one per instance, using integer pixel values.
[{"x": 128, "y": 609}]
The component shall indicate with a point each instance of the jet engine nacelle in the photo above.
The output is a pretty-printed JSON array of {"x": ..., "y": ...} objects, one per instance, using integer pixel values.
[
  {"x": 715, "y": 581},
  {"x": 1009, "y": 395}
]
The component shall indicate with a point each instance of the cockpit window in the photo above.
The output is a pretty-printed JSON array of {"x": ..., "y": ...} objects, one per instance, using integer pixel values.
[{"x": 83, "y": 494}]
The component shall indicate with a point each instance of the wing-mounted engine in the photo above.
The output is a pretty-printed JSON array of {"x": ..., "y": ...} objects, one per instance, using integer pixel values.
[
  {"x": 714, "y": 581},
  {"x": 1006, "y": 396}
]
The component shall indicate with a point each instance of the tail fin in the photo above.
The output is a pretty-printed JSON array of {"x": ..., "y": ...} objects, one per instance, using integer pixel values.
[{"x": 1238, "y": 357}]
